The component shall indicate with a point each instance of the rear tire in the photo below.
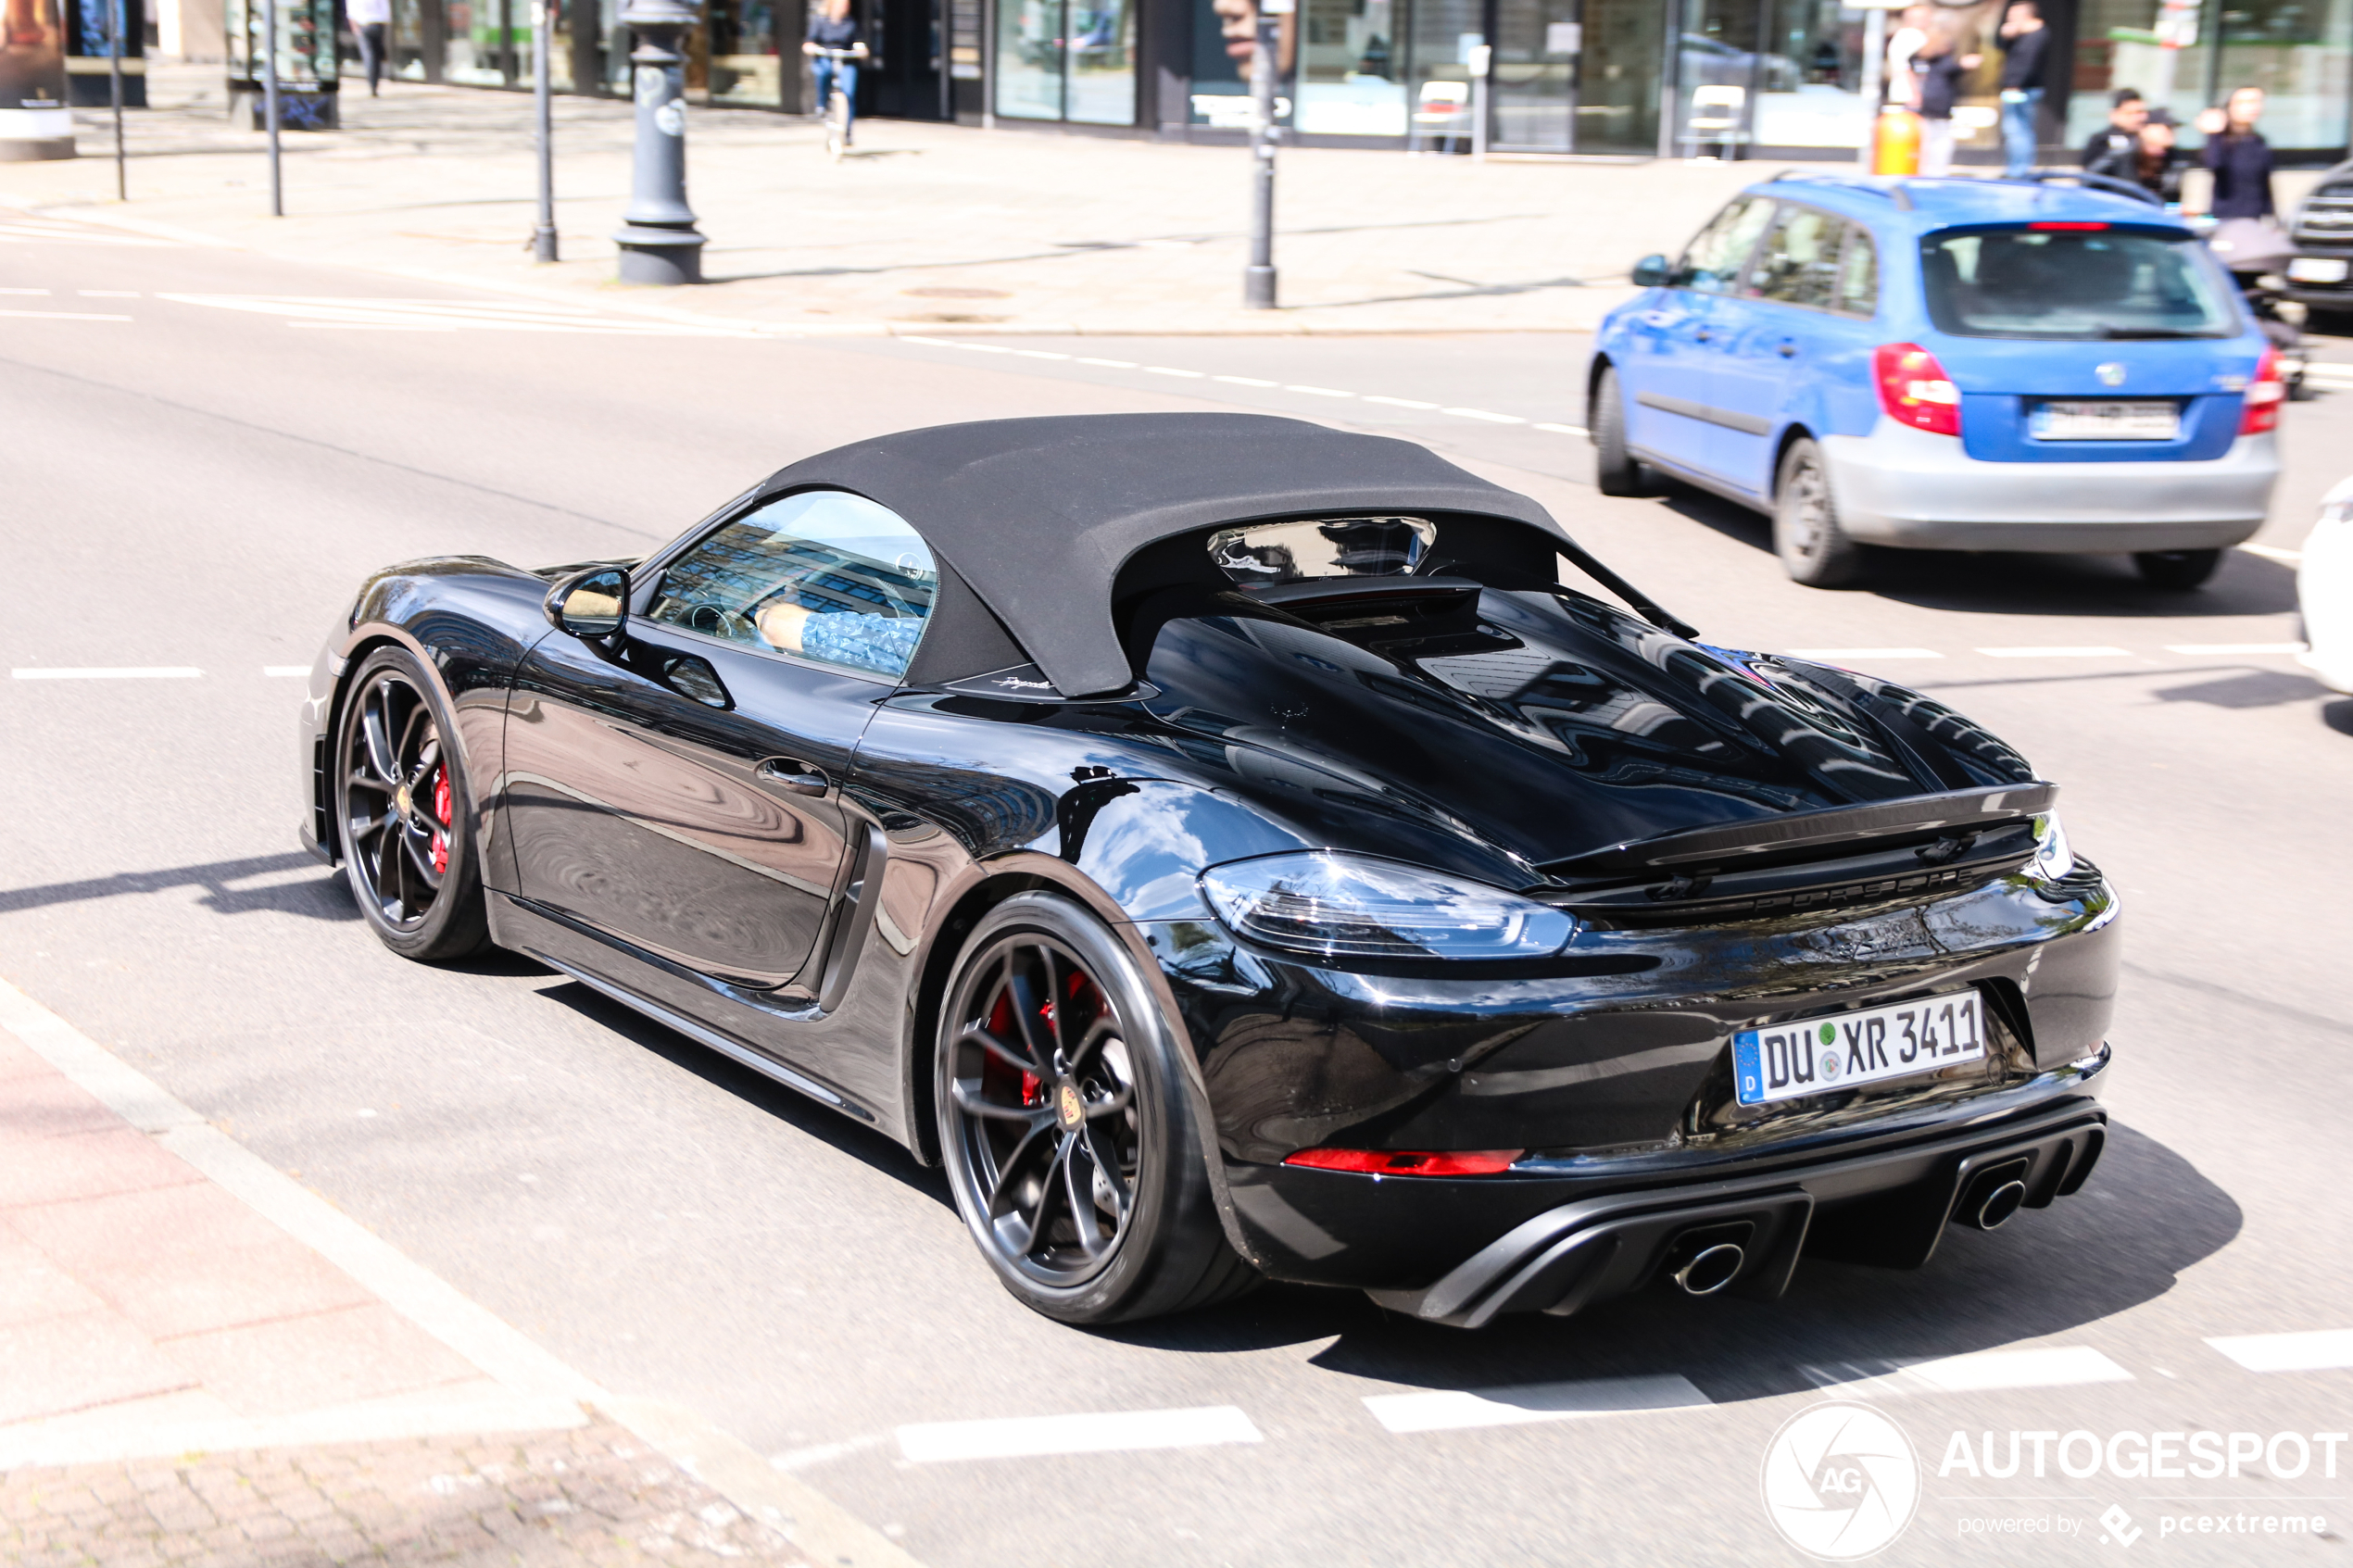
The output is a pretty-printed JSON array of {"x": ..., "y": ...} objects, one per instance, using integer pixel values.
[
  {"x": 2178, "y": 570},
  {"x": 1069, "y": 1133},
  {"x": 1814, "y": 549},
  {"x": 402, "y": 804},
  {"x": 1616, "y": 471}
]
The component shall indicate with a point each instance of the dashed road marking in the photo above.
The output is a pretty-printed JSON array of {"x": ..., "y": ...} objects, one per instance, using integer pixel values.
[
  {"x": 1867, "y": 652},
  {"x": 107, "y": 294},
  {"x": 61, "y": 315},
  {"x": 1319, "y": 391},
  {"x": 1981, "y": 1372},
  {"x": 1484, "y": 414},
  {"x": 2089, "y": 652},
  {"x": 43, "y": 293},
  {"x": 1106, "y": 1432},
  {"x": 144, "y": 672},
  {"x": 1246, "y": 381},
  {"x": 285, "y": 669},
  {"x": 1457, "y": 1410},
  {"x": 34, "y": 231},
  {"x": 2316, "y": 1351},
  {"x": 1399, "y": 402},
  {"x": 2234, "y": 648},
  {"x": 1173, "y": 370},
  {"x": 340, "y": 312}
]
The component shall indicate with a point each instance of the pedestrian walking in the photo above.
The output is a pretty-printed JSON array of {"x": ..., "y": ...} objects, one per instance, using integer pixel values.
[
  {"x": 1939, "y": 66},
  {"x": 2026, "y": 45},
  {"x": 371, "y": 24},
  {"x": 2115, "y": 148},
  {"x": 2239, "y": 158},
  {"x": 1911, "y": 35},
  {"x": 2157, "y": 165},
  {"x": 833, "y": 28}
]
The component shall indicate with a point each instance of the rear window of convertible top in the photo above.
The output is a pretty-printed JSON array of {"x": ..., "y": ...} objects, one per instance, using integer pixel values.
[{"x": 1263, "y": 555}]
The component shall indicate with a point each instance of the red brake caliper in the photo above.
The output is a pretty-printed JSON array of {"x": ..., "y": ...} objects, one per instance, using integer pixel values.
[{"x": 441, "y": 810}]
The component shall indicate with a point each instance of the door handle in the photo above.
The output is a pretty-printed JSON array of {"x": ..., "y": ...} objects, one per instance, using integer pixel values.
[
  {"x": 799, "y": 777},
  {"x": 1787, "y": 351}
]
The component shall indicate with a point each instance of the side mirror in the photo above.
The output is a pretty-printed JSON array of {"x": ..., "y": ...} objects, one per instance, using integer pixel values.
[
  {"x": 590, "y": 604},
  {"x": 1650, "y": 272}
]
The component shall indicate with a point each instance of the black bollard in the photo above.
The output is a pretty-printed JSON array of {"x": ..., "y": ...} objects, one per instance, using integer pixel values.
[{"x": 658, "y": 239}]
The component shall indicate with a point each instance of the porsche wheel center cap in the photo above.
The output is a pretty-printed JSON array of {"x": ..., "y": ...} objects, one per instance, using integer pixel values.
[
  {"x": 400, "y": 801},
  {"x": 1068, "y": 1107}
]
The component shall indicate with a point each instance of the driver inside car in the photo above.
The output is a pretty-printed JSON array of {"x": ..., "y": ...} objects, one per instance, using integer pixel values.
[{"x": 880, "y": 643}]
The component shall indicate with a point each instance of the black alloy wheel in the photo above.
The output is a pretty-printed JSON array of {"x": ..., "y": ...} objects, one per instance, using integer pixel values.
[
  {"x": 400, "y": 797},
  {"x": 1069, "y": 1137},
  {"x": 1814, "y": 549},
  {"x": 2178, "y": 569},
  {"x": 1616, "y": 471}
]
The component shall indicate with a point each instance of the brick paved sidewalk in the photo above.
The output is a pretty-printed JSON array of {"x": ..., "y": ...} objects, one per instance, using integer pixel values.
[
  {"x": 202, "y": 1362},
  {"x": 926, "y": 228},
  {"x": 595, "y": 1495}
]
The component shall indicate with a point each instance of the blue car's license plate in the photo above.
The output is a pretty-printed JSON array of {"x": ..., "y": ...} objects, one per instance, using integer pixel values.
[
  {"x": 2106, "y": 422},
  {"x": 1817, "y": 1055}
]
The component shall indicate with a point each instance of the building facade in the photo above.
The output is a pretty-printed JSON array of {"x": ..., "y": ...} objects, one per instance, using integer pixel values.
[{"x": 1614, "y": 78}]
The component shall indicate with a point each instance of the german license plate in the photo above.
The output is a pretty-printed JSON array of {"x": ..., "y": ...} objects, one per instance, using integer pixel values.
[
  {"x": 1817, "y": 1055},
  {"x": 2316, "y": 269},
  {"x": 2106, "y": 422}
]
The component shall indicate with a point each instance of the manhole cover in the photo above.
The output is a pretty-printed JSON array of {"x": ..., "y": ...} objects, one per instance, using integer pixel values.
[{"x": 957, "y": 293}]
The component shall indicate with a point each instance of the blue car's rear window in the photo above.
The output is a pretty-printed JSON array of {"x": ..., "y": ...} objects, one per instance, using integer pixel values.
[{"x": 2066, "y": 281}]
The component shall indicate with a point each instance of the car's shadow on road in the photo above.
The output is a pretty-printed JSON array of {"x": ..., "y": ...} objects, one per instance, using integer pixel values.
[
  {"x": 2014, "y": 582},
  {"x": 2146, "y": 1215}
]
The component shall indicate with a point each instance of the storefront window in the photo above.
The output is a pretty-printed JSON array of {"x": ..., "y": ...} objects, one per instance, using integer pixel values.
[
  {"x": 1066, "y": 59},
  {"x": 1439, "y": 36},
  {"x": 475, "y": 36},
  {"x": 1347, "y": 81},
  {"x": 746, "y": 66},
  {"x": 1810, "y": 90},
  {"x": 1619, "y": 65}
]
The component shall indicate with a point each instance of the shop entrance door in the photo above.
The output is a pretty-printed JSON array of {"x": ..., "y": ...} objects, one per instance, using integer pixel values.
[
  {"x": 1534, "y": 79},
  {"x": 1620, "y": 66}
]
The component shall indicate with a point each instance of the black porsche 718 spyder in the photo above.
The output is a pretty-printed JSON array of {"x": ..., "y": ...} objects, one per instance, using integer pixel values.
[{"x": 1228, "y": 847}]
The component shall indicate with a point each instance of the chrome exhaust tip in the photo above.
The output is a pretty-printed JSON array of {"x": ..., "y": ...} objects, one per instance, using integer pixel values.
[
  {"x": 1712, "y": 1268},
  {"x": 1999, "y": 1205}
]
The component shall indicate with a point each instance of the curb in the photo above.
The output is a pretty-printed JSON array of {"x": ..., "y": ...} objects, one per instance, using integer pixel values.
[{"x": 545, "y": 1391}]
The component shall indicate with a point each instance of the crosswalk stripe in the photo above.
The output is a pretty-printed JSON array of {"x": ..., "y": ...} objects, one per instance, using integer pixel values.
[
  {"x": 2314, "y": 1350},
  {"x": 1456, "y": 1410},
  {"x": 1980, "y": 1372},
  {"x": 1106, "y": 1431}
]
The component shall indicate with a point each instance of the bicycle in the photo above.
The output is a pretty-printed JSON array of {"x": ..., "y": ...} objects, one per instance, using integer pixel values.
[{"x": 836, "y": 110}]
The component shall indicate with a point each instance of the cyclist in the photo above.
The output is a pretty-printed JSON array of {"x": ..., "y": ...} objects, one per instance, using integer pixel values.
[{"x": 835, "y": 48}]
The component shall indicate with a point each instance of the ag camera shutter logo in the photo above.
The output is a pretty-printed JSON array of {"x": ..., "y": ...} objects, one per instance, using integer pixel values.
[{"x": 1841, "y": 1481}]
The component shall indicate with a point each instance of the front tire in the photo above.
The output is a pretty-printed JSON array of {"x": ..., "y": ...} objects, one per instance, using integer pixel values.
[
  {"x": 1070, "y": 1138},
  {"x": 1814, "y": 549},
  {"x": 2179, "y": 571},
  {"x": 407, "y": 814},
  {"x": 1616, "y": 471}
]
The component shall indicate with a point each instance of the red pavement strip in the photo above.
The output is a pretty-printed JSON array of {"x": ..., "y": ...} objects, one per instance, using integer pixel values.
[{"x": 164, "y": 1290}]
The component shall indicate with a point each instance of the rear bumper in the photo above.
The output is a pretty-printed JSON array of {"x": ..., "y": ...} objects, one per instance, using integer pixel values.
[
  {"x": 1889, "y": 1208},
  {"x": 1904, "y": 487}
]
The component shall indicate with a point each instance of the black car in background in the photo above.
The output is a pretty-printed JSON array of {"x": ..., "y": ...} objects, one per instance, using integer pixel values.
[{"x": 1232, "y": 850}]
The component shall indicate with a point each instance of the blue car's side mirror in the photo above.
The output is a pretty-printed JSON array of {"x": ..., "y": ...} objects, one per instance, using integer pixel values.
[{"x": 1650, "y": 272}]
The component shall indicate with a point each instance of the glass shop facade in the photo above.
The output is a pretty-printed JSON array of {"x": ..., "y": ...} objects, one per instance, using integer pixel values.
[{"x": 1778, "y": 79}]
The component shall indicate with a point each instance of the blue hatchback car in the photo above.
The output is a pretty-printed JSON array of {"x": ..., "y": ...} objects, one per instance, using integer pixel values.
[{"x": 1947, "y": 364}]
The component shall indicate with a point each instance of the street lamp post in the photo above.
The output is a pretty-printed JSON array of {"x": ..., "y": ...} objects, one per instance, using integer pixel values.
[
  {"x": 270, "y": 102},
  {"x": 658, "y": 238},
  {"x": 1258, "y": 278},
  {"x": 543, "y": 235}
]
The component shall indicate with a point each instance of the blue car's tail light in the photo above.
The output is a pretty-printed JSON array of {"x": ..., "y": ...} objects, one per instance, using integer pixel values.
[{"x": 1336, "y": 904}]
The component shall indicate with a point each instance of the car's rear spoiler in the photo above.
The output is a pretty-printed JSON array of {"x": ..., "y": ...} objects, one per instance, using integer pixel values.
[{"x": 1731, "y": 845}]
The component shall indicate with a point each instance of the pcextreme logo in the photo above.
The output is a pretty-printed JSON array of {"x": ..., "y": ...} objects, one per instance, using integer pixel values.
[{"x": 1841, "y": 1481}]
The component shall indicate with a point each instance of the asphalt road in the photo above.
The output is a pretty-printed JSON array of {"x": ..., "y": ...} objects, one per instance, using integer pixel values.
[{"x": 195, "y": 478}]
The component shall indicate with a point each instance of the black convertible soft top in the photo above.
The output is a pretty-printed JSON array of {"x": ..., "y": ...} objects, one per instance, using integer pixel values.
[{"x": 1034, "y": 519}]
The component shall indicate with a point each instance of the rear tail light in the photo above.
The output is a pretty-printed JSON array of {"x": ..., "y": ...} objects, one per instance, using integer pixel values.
[
  {"x": 1914, "y": 389},
  {"x": 2264, "y": 396},
  {"x": 1408, "y": 1162}
]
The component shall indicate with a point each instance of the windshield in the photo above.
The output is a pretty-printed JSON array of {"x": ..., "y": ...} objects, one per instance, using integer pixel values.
[{"x": 2074, "y": 282}]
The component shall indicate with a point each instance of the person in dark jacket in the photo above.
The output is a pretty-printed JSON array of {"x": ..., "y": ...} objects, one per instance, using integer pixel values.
[
  {"x": 2156, "y": 163},
  {"x": 1938, "y": 68},
  {"x": 2237, "y": 155},
  {"x": 2115, "y": 146},
  {"x": 2025, "y": 45}
]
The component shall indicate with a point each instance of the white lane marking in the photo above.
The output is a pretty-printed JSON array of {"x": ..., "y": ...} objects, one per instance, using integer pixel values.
[
  {"x": 1320, "y": 391},
  {"x": 1562, "y": 429},
  {"x": 1108, "y": 1431},
  {"x": 1399, "y": 402},
  {"x": 20, "y": 233},
  {"x": 2272, "y": 552},
  {"x": 1456, "y": 1410},
  {"x": 1246, "y": 381},
  {"x": 2317, "y": 1351},
  {"x": 62, "y": 316},
  {"x": 2057, "y": 1367},
  {"x": 43, "y": 293},
  {"x": 107, "y": 294},
  {"x": 2056, "y": 653},
  {"x": 149, "y": 672},
  {"x": 1483, "y": 414},
  {"x": 1107, "y": 364},
  {"x": 1173, "y": 370},
  {"x": 824, "y": 1454},
  {"x": 1039, "y": 354},
  {"x": 285, "y": 669},
  {"x": 445, "y": 315},
  {"x": 1867, "y": 652},
  {"x": 2234, "y": 648}
]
